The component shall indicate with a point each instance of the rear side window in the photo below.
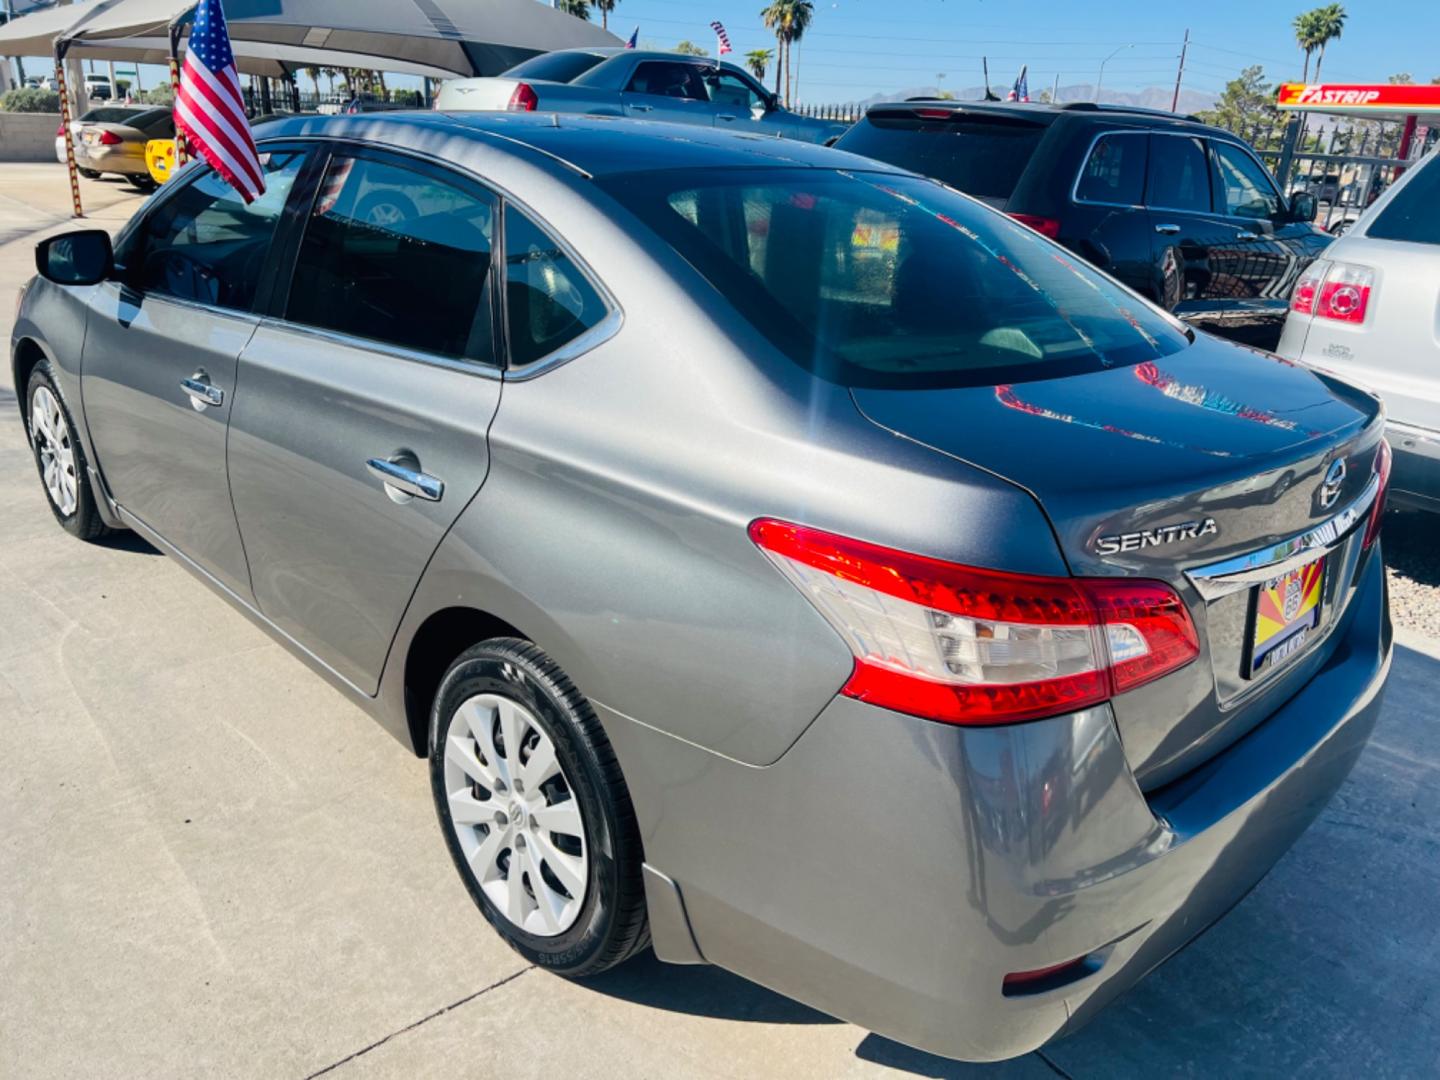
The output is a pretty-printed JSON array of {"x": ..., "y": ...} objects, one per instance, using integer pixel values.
[
  {"x": 1115, "y": 171},
  {"x": 205, "y": 244},
  {"x": 555, "y": 67},
  {"x": 1242, "y": 189},
  {"x": 1179, "y": 174},
  {"x": 979, "y": 155},
  {"x": 400, "y": 257},
  {"x": 1414, "y": 213},
  {"x": 548, "y": 299}
]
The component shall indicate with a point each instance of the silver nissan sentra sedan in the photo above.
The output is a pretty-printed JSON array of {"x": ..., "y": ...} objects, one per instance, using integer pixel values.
[{"x": 781, "y": 559}]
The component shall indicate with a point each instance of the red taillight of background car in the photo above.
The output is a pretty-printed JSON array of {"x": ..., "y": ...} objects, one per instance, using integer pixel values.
[
  {"x": 60, "y": 131},
  {"x": 109, "y": 138},
  {"x": 523, "y": 98},
  {"x": 1043, "y": 225},
  {"x": 1383, "y": 455},
  {"x": 965, "y": 645},
  {"x": 1336, "y": 291}
]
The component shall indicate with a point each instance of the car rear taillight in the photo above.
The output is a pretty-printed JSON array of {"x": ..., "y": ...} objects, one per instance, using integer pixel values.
[
  {"x": 965, "y": 645},
  {"x": 1336, "y": 291},
  {"x": 1383, "y": 455},
  {"x": 523, "y": 98},
  {"x": 1043, "y": 225},
  {"x": 933, "y": 114},
  {"x": 109, "y": 138},
  {"x": 60, "y": 131}
]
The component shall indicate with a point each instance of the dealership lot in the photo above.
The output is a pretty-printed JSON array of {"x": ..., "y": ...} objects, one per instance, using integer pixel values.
[{"x": 218, "y": 866}]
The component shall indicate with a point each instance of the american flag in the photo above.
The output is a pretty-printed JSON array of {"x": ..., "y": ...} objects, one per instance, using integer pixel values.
[
  {"x": 209, "y": 109},
  {"x": 633, "y": 38},
  {"x": 721, "y": 36},
  {"x": 1021, "y": 90}
]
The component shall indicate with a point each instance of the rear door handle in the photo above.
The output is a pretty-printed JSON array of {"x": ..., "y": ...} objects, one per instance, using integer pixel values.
[
  {"x": 202, "y": 392},
  {"x": 726, "y": 117},
  {"x": 398, "y": 476},
  {"x": 1247, "y": 236},
  {"x": 1167, "y": 230},
  {"x": 642, "y": 108}
]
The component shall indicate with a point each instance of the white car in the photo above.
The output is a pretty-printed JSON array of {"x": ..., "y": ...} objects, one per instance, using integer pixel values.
[{"x": 1368, "y": 310}]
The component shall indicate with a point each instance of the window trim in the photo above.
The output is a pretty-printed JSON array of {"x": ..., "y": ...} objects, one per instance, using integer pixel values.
[{"x": 1085, "y": 160}]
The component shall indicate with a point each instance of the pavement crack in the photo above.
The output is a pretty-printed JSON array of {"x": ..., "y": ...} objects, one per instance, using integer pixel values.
[
  {"x": 424, "y": 1020},
  {"x": 1056, "y": 1069}
]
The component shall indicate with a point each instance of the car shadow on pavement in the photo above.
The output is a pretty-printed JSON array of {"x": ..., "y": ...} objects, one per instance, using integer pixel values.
[
  {"x": 128, "y": 540},
  {"x": 703, "y": 991},
  {"x": 1412, "y": 545}
]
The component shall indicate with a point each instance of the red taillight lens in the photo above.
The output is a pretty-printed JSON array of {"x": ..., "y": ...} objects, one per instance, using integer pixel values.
[
  {"x": 1383, "y": 456},
  {"x": 1043, "y": 225},
  {"x": 109, "y": 138},
  {"x": 1336, "y": 291},
  {"x": 966, "y": 645},
  {"x": 934, "y": 114},
  {"x": 1303, "y": 299},
  {"x": 60, "y": 131},
  {"x": 523, "y": 99}
]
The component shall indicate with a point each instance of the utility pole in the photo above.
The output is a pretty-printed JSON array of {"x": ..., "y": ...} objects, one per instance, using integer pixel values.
[
  {"x": 1055, "y": 91},
  {"x": 1180, "y": 74}
]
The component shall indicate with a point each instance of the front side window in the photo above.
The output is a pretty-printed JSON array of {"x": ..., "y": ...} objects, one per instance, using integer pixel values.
[
  {"x": 729, "y": 89},
  {"x": 205, "y": 244},
  {"x": 397, "y": 256},
  {"x": 1243, "y": 189},
  {"x": 1179, "y": 176},
  {"x": 1115, "y": 171},
  {"x": 669, "y": 78},
  {"x": 548, "y": 300},
  {"x": 889, "y": 281}
]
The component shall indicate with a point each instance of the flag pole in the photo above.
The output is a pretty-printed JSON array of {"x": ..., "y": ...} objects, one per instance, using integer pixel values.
[
  {"x": 181, "y": 156},
  {"x": 61, "y": 48}
]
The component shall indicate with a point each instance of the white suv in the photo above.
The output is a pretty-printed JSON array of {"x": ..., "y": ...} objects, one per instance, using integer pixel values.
[{"x": 1369, "y": 310}]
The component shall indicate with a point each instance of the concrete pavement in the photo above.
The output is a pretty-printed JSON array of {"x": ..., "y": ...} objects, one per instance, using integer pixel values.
[{"x": 213, "y": 865}]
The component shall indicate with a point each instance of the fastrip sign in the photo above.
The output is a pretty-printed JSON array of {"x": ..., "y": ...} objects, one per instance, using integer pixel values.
[{"x": 1356, "y": 100}]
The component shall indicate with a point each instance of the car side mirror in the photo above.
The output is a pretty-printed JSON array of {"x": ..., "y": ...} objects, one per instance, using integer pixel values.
[
  {"x": 1303, "y": 206},
  {"x": 76, "y": 258}
]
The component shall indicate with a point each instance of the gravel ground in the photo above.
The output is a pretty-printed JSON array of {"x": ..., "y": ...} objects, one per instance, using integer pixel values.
[{"x": 1412, "y": 555}]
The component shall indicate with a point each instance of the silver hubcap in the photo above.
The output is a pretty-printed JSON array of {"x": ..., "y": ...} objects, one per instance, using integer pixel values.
[
  {"x": 51, "y": 436},
  {"x": 516, "y": 815}
]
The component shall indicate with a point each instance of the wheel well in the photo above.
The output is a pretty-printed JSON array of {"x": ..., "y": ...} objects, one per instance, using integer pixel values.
[
  {"x": 27, "y": 355},
  {"x": 441, "y": 638}
]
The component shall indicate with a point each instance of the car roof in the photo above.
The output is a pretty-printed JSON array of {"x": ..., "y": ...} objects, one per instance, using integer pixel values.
[
  {"x": 1046, "y": 113},
  {"x": 593, "y": 145}
]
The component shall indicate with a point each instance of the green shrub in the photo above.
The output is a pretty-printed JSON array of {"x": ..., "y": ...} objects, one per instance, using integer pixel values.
[
  {"x": 411, "y": 99},
  {"x": 31, "y": 101},
  {"x": 164, "y": 94}
]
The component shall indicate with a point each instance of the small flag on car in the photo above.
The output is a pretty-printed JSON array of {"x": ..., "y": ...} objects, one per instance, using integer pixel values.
[
  {"x": 1021, "y": 90},
  {"x": 721, "y": 37},
  {"x": 209, "y": 110},
  {"x": 634, "y": 37}
]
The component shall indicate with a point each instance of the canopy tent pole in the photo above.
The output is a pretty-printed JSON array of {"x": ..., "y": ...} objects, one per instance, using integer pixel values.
[
  {"x": 61, "y": 47},
  {"x": 181, "y": 150}
]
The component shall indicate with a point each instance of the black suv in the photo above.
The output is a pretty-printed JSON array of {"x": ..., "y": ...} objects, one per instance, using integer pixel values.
[{"x": 1182, "y": 212}]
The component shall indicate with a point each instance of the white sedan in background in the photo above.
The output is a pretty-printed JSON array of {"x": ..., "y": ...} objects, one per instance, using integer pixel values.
[{"x": 1369, "y": 311}]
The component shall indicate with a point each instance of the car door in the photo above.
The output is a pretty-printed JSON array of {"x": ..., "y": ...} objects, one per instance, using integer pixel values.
[
  {"x": 368, "y": 393},
  {"x": 158, "y": 365},
  {"x": 669, "y": 90},
  {"x": 740, "y": 104},
  {"x": 1185, "y": 230},
  {"x": 1109, "y": 226}
]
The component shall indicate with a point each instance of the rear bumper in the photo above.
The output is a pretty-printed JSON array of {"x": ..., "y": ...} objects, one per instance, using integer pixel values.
[
  {"x": 892, "y": 871},
  {"x": 1415, "y": 479}
]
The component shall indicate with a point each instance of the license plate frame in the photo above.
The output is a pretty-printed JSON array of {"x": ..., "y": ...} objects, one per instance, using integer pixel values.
[{"x": 1284, "y": 638}]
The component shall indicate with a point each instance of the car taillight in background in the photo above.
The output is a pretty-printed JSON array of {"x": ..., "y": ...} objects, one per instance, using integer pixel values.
[
  {"x": 965, "y": 645},
  {"x": 1383, "y": 455},
  {"x": 1336, "y": 291},
  {"x": 109, "y": 138},
  {"x": 1043, "y": 225},
  {"x": 523, "y": 98},
  {"x": 60, "y": 131}
]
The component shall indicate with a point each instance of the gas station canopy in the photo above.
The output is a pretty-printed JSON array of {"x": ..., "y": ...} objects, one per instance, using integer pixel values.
[{"x": 1383, "y": 101}]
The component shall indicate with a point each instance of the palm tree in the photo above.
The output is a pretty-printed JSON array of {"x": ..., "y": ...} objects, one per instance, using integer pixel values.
[
  {"x": 775, "y": 17},
  {"x": 579, "y": 8},
  {"x": 789, "y": 19},
  {"x": 605, "y": 7},
  {"x": 313, "y": 74},
  {"x": 804, "y": 11},
  {"x": 757, "y": 60},
  {"x": 1307, "y": 36},
  {"x": 1329, "y": 23}
]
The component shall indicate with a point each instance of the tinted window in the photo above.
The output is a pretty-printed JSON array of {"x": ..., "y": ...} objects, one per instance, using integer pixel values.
[
  {"x": 548, "y": 300},
  {"x": 1115, "y": 171},
  {"x": 667, "y": 78},
  {"x": 892, "y": 281},
  {"x": 204, "y": 243},
  {"x": 1414, "y": 213},
  {"x": 111, "y": 115},
  {"x": 396, "y": 256},
  {"x": 979, "y": 155},
  {"x": 159, "y": 124},
  {"x": 1242, "y": 188},
  {"x": 555, "y": 66},
  {"x": 1179, "y": 177},
  {"x": 730, "y": 89}
]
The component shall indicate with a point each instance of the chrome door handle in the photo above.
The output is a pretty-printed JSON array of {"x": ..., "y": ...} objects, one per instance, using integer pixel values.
[
  {"x": 406, "y": 480},
  {"x": 1167, "y": 230},
  {"x": 1247, "y": 236},
  {"x": 202, "y": 393},
  {"x": 642, "y": 108},
  {"x": 725, "y": 116}
]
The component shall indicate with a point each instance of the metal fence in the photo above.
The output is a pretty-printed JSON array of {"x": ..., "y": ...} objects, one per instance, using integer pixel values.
[{"x": 845, "y": 114}]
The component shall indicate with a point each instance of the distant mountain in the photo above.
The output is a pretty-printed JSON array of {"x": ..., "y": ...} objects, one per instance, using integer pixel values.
[{"x": 1152, "y": 97}]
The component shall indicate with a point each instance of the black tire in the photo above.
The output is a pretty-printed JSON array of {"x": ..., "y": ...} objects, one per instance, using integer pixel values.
[
  {"x": 611, "y": 925},
  {"x": 89, "y": 174},
  {"x": 84, "y": 521},
  {"x": 143, "y": 184}
]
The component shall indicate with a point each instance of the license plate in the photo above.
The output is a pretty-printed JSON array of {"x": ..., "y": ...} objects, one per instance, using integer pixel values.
[{"x": 1285, "y": 614}]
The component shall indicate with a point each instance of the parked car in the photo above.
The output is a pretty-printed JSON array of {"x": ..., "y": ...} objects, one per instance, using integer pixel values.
[
  {"x": 1367, "y": 312},
  {"x": 663, "y": 86},
  {"x": 106, "y": 145},
  {"x": 106, "y": 114},
  {"x": 850, "y": 587},
  {"x": 1183, "y": 213},
  {"x": 98, "y": 88},
  {"x": 1326, "y": 188}
]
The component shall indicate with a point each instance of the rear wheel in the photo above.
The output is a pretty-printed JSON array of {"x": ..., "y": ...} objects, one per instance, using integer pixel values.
[
  {"x": 60, "y": 458},
  {"x": 89, "y": 174},
  {"x": 143, "y": 184},
  {"x": 535, "y": 811}
]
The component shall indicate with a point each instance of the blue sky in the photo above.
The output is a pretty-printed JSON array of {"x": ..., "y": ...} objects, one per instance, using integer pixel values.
[{"x": 858, "y": 47}]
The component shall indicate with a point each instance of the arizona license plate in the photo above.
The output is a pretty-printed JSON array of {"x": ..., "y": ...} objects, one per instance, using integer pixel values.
[{"x": 1286, "y": 613}]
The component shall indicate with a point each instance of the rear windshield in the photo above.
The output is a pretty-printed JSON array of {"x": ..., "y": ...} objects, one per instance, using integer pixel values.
[
  {"x": 878, "y": 280},
  {"x": 110, "y": 116},
  {"x": 979, "y": 155},
  {"x": 1414, "y": 213},
  {"x": 555, "y": 67}
]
